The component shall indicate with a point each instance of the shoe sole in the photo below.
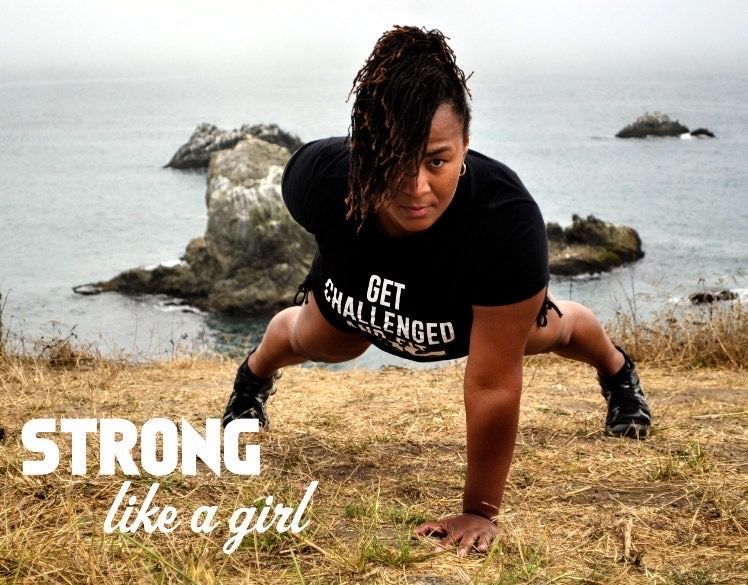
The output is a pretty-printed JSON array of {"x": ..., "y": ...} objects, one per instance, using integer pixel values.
[{"x": 631, "y": 430}]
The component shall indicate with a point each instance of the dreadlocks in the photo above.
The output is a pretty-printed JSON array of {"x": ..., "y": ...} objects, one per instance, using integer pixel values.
[{"x": 409, "y": 74}]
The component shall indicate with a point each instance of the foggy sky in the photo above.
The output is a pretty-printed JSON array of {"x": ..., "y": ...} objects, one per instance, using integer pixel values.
[{"x": 118, "y": 35}]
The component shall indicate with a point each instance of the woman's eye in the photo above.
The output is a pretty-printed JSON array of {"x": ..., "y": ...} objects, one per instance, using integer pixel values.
[{"x": 437, "y": 163}]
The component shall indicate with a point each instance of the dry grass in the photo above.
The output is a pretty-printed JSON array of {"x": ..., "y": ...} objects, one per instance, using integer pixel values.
[
  {"x": 3, "y": 331},
  {"x": 388, "y": 450},
  {"x": 712, "y": 335}
]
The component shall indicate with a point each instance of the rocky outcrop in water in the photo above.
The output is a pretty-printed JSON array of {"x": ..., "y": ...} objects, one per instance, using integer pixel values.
[
  {"x": 252, "y": 256},
  {"x": 702, "y": 132},
  {"x": 712, "y": 296},
  {"x": 207, "y": 139},
  {"x": 652, "y": 124},
  {"x": 659, "y": 124},
  {"x": 591, "y": 245}
]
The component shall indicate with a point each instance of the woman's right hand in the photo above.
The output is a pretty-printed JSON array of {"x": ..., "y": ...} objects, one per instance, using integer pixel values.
[{"x": 467, "y": 531}]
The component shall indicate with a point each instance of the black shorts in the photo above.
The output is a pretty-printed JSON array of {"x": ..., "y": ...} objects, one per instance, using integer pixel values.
[{"x": 313, "y": 282}]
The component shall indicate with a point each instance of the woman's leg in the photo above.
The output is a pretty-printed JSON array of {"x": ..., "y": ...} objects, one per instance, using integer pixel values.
[
  {"x": 300, "y": 334},
  {"x": 580, "y": 336},
  {"x": 577, "y": 335},
  {"x": 293, "y": 336}
]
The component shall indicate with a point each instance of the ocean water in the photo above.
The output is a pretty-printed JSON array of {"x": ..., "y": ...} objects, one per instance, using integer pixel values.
[{"x": 83, "y": 194}]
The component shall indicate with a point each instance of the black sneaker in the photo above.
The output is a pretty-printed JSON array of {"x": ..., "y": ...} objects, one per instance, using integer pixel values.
[
  {"x": 628, "y": 411},
  {"x": 250, "y": 396}
]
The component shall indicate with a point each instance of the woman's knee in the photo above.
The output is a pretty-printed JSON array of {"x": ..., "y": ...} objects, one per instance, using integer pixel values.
[{"x": 570, "y": 311}]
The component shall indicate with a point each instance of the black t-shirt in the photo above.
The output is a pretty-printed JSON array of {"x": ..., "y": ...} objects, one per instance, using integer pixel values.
[{"x": 412, "y": 296}]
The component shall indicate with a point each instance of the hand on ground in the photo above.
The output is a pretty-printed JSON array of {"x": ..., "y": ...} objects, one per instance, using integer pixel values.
[{"x": 467, "y": 531}]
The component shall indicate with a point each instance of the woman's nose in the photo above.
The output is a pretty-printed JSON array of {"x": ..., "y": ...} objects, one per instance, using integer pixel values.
[{"x": 416, "y": 184}]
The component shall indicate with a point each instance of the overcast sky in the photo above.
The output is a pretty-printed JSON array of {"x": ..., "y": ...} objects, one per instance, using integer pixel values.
[{"x": 141, "y": 35}]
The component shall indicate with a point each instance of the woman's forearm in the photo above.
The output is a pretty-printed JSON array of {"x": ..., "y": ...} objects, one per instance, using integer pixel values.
[{"x": 492, "y": 418}]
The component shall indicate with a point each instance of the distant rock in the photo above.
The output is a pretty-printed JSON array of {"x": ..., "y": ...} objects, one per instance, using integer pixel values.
[
  {"x": 207, "y": 139},
  {"x": 702, "y": 132},
  {"x": 274, "y": 135},
  {"x": 591, "y": 245},
  {"x": 653, "y": 124},
  {"x": 86, "y": 289},
  {"x": 713, "y": 296}
]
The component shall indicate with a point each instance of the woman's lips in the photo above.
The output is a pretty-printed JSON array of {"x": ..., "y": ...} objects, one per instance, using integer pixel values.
[{"x": 413, "y": 211}]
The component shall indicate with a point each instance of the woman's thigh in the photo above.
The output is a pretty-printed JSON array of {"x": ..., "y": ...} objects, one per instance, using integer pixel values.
[{"x": 318, "y": 340}]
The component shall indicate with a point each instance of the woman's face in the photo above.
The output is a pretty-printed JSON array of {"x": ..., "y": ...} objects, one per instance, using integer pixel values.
[{"x": 426, "y": 194}]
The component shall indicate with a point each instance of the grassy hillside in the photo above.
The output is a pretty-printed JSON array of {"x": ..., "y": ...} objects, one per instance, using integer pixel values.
[{"x": 387, "y": 448}]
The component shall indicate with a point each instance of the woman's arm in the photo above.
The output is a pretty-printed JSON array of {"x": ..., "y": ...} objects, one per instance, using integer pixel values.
[{"x": 493, "y": 385}]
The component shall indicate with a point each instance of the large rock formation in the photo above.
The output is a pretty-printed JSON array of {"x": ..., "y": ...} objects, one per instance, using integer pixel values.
[
  {"x": 591, "y": 245},
  {"x": 253, "y": 255},
  {"x": 207, "y": 139}
]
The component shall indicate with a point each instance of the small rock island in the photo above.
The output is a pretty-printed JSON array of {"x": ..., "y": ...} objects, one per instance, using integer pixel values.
[{"x": 659, "y": 124}]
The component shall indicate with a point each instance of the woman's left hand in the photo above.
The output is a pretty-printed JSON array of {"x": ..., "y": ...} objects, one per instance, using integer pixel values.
[{"x": 467, "y": 531}]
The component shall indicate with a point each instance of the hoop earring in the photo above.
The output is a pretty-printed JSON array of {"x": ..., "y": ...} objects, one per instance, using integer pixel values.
[{"x": 464, "y": 169}]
